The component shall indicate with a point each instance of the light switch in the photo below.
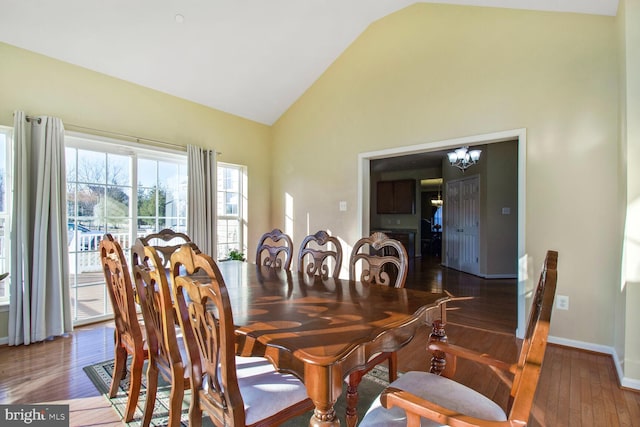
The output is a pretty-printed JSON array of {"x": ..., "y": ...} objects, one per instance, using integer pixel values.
[
  {"x": 343, "y": 206},
  {"x": 506, "y": 211}
]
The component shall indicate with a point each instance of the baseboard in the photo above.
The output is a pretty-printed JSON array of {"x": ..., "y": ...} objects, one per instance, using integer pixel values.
[
  {"x": 629, "y": 383},
  {"x": 4, "y": 340},
  {"x": 499, "y": 276}
]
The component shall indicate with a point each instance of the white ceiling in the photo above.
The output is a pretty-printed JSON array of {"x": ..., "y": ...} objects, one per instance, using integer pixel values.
[{"x": 251, "y": 58}]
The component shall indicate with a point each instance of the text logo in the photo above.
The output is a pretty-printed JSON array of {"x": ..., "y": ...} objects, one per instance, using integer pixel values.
[{"x": 34, "y": 415}]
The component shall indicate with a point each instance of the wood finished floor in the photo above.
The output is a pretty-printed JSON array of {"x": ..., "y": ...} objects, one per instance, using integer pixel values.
[{"x": 576, "y": 388}]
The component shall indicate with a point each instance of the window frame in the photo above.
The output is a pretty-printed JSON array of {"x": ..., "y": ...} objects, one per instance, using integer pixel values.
[
  {"x": 241, "y": 216},
  {"x": 135, "y": 151}
]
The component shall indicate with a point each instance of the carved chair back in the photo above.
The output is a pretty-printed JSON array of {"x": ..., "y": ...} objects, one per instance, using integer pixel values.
[
  {"x": 204, "y": 312},
  {"x": 316, "y": 251},
  {"x": 129, "y": 338},
  {"x": 165, "y": 358},
  {"x": 165, "y": 242},
  {"x": 275, "y": 249},
  {"x": 529, "y": 363},
  {"x": 384, "y": 261}
]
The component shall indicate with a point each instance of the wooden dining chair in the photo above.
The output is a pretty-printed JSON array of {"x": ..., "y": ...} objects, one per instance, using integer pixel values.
[
  {"x": 316, "y": 251},
  {"x": 275, "y": 249},
  {"x": 232, "y": 390},
  {"x": 427, "y": 399},
  {"x": 128, "y": 335},
  {"x": 165, "y": 242},
  {"x": 166, "y": 348},
  {"x": 383, "y": 261}
]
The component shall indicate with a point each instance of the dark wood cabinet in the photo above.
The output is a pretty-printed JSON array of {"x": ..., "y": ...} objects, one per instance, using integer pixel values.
[{"x": 396, "y": 197}]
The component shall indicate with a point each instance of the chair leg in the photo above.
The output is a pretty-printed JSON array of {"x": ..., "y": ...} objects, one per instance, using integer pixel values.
[
  {"x": 352, "y": 397},
  {"x": 134, "y": 386},
  {"x": 119, "y": 370},
  {"x": 393, "y": 367},
  {"x": 195, "y": 412},
  {"x": 152, "y": 389},
  {"x": 176, "y": 397}
]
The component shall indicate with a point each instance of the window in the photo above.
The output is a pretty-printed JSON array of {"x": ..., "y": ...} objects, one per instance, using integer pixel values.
[
  {"x": 125, "y": 190},
  {"x": 436, "y": 224},
  {"x": 5, "y": 208},
  {"x": 231, "y": 209}
]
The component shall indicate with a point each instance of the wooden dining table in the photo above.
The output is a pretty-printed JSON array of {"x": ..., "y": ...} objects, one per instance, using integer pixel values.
[{"x": 322, "y": 329}]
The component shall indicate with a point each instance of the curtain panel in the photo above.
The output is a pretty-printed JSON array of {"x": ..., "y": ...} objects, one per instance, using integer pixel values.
[
  {"x": 201, "y": 200},
  {"x": 39, "y": 292}
]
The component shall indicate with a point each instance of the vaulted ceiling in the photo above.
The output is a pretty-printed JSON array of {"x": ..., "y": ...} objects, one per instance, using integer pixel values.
[{"x": 250, "y": 58}]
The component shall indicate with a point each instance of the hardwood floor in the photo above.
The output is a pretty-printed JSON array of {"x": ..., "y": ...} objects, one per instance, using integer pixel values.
[{"x": 577, "y": 388}]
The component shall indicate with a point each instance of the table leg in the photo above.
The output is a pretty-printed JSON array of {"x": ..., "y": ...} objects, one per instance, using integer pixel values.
[
  {"x": 438, "y": 359},
  {"x": 324, "y": 386}
]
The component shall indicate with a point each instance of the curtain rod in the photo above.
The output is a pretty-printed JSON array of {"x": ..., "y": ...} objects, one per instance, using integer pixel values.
[{"x": 122, "y": 135}]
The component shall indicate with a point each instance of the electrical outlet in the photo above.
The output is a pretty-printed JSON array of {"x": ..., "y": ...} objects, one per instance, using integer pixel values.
[{"x": 562, "y": 302}]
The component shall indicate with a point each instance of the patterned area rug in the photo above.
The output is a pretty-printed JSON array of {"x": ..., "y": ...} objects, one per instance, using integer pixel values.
[{"x": 100, "y": 374}]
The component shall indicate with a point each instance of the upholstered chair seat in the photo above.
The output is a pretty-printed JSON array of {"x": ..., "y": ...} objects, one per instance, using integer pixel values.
[{"x": 435, "y": 389}]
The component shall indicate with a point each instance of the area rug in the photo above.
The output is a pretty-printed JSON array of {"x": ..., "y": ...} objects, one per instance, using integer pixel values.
[{"x": 100, "y": 374}]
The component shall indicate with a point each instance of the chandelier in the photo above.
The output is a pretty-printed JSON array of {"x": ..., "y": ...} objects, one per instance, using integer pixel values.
[
  {"x": 437, "y": 202},
  {"x": 462, "y": 158}
]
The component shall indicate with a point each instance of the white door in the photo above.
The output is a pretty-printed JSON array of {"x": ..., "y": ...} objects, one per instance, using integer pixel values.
[{"x": 462, "y": 223}]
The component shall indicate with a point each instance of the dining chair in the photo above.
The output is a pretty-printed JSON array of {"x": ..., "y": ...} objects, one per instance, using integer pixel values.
[
  {"x": 166, "y": 348},
  {"x": 428, "y": 399},
  {"x": 316, "y": 251},
  {"x": 128, "y": 335},
  {"x": 383, "y": 261},
  {"x": 165, "y": 242},
  {"x": 275, "y": 249},
  {"x": 232, "y": 390}
]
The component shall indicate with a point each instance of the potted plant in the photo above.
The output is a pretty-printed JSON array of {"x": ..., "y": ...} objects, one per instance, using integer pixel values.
[{"x": 235, "y": 254}]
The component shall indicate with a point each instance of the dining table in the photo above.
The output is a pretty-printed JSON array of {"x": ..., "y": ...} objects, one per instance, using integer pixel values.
[{"x": 322, "y": 329}]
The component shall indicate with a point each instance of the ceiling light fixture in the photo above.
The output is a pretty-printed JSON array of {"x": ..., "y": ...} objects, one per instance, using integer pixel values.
[
  {"x": 437, "y": 202},
  {"x": 462, "y": 158}
]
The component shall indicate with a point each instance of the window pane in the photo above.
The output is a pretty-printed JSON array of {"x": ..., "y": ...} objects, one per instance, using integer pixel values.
[
  {"x": 119, "y": 170},
  {"x": 88, "y": 197},
  {"x": 70, "y": 155},
  {"x": 147, "y": 172},
  {"x": 167, "y": 174},
  {"x": 3, "y": 174},
  {"x": 91, "y": 167},
  {"x": 229, "y": 209}
]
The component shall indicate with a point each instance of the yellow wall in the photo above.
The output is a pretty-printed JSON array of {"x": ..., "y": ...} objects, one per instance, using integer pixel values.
[
  {"x": 434, "y": 72},
  {"x": 40, "y": 85}
]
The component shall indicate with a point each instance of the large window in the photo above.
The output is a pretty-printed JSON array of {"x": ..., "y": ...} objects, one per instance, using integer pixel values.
[
  {"x": 127, "y": 191},
  {"x": 231, "y": 209},
  {"x": 5, "y": 209}
]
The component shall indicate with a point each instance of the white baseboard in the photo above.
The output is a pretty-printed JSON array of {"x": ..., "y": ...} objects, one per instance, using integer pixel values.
[
  {"x": 630, "y": 383},
  {"x": 4, "y": 340}
]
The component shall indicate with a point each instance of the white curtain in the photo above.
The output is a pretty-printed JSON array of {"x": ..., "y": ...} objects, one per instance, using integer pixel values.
[
  {"x": 40, "y": 303},
  {"x": 201, "y": 199}
]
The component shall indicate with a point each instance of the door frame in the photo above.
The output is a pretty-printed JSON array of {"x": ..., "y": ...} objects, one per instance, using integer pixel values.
[{"x": 364, "y": 191}]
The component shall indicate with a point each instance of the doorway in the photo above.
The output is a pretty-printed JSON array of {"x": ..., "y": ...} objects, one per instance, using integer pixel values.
[{"x": 364, "y": 190}]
